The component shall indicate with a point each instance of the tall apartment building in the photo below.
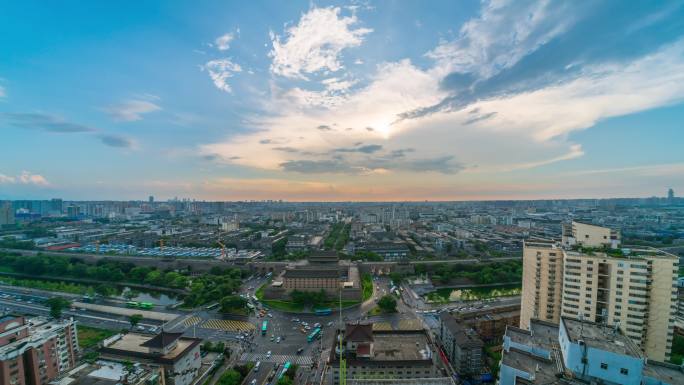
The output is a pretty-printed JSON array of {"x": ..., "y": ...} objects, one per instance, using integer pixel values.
[
  {"x": 635, "y": 291},
  {"x": 35, "y": 352},
  {"x": 542, "y": 282}
]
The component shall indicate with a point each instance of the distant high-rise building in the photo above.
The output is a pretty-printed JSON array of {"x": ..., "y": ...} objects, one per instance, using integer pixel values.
[
  {"x": 6, "y": 214},
  {"x": 151, "y": 199},
  {"x": 670, "y": 194}
]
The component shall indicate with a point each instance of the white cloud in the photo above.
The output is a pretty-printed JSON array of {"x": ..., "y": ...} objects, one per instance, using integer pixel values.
[
  {"x": 220, "y": 70},
  {"x": 496, "y": 135},
  {"x": 7, "y": 179},
  {"x": 24, "y": 178},
  {"x": 132, "y": 109},
  {"x": 505, "y": 32},
  {"x": 223, "y": 42},
  {"x": 315, "y": 43}
]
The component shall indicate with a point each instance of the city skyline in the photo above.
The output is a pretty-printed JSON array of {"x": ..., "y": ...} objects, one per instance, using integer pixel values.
[{"x": 331, "y": 101}]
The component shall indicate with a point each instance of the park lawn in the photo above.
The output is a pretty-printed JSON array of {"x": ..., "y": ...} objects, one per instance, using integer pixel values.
[
  {"x": 283, "y": 305},
  {"x": 89, "y": 337}
]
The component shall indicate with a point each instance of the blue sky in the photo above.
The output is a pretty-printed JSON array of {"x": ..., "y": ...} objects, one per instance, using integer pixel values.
[{"x": 377, "y": 100}]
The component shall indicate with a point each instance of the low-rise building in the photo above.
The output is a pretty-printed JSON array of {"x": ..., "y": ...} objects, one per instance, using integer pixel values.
[
  {"x": 35, "y": 351},
  {"x": 103, "y": 372},
  {"x": 461, "y": 344},
  {"x": 178, "y": 356},
  {"x": 383, "y": 355},
  {"x": 578, "y": 352}
]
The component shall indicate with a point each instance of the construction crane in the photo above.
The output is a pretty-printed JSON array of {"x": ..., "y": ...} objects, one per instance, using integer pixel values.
[
  {"x": 223, "y": 248},
  {"x": 97, "y": 246},
  {"x": 161, "y": 245}
]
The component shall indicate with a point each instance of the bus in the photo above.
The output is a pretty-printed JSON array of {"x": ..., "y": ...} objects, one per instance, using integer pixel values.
[
  {"x": 285, "y": 368},
  {"x": 264, "y": 328},
  {"x": 139, "y": 305},
  {"x": 313, "y": 335},
  {"x": 212, "y": 306},
  {"x": 326, "y": 311}
]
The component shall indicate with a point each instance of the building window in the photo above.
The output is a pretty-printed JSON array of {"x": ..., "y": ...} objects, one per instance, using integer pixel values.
[
  {"x": 624, "y": 371},
  {"x": 604, "y": 365}
]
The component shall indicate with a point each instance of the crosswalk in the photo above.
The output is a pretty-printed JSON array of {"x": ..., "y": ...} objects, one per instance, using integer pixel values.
[
  {"x": 192, "y": 321},
  {"x": 228, "y": 325},
  {"x": 279, "y": 358}
]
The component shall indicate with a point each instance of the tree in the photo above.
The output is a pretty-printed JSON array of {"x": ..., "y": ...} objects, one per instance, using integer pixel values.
[
  {"x": 130, "y": 294},
  {"x": 135, "y": 319},
  {"x": 232, "y": 303},
  {"x": 57, "y": 304},
  {"x": 230, "y": 377},
  {"x": 387, "y": 304},
  {"x": 285, "y": 381}
]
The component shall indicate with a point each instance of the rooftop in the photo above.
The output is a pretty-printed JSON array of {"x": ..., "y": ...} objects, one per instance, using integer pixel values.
[
  {"x": 600, "y": 337},
  {"x": 667, "y": 373},
  {"x": 542, "y": 334},
  {"x": 162, "y": 340},
  {"x": 401, "y": 347},
  {"x": 135, "y": 343},
  {"x": 358, "y": 332},
  {"x": 304, "y": 272},
  {"x": 463, "y": 334},
  {"x": 543, "y": 371}
]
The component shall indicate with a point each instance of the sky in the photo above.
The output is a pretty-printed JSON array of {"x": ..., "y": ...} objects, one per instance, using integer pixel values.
[{"x": 341, "y": 101}]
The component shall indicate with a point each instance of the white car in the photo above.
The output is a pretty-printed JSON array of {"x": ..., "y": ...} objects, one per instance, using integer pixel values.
[
  {"x": 268, "y": 354},
  {"x": 278, "y": 340}
]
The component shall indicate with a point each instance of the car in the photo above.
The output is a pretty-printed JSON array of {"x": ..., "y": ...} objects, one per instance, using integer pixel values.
[
  {"x": 253, "y": 382},
  {"x": 307, "y": 327},
  {"x": 268, "y": 354},
  {"x": 330, "y": 323},
  {"x": 300, "y": 350},
  {"x": 283, "y": 338},
  {"x": 302, "y": 330},
  {"x": 270, "y": 315},
  {"x": 296, "y": 320},
  {"x": 317, "y": 325},
  {"x": 278, "y": 340},
  {"x": 272, "y": 339}
]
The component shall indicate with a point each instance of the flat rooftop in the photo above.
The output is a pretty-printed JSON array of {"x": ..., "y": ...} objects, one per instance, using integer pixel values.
[
  {"x": 132, "y": 342},
  {"x": 600, "y": 337},
  {"x": 542, "y": 371},
  {"x": 401, "y": 347},
  {"x": 667, "y": 373},
  {"x": 542, "y": 334}
]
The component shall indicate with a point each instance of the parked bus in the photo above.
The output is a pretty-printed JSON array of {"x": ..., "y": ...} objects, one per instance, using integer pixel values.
[
  {"x": 326, "y": 311},
  {"x": 264, "y": 328},
  {"x": 313, "y": 335}
]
